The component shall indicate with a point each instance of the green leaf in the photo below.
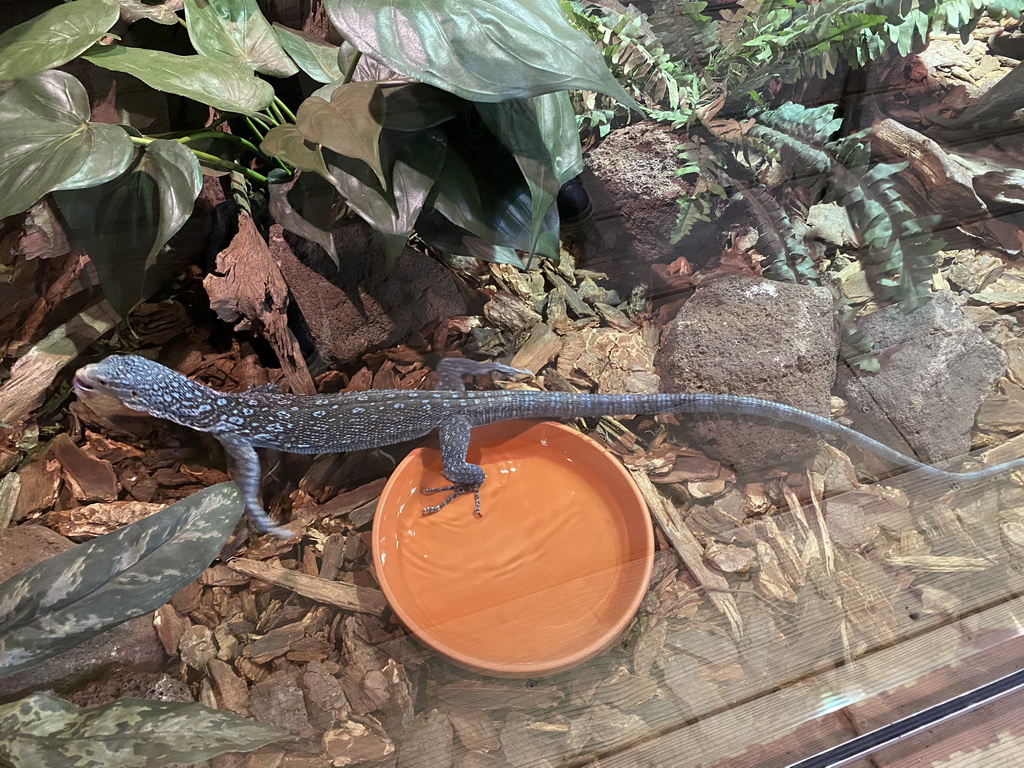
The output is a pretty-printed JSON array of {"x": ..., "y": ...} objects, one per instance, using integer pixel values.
[
  {"x": 223, "y": 86},
  {"x": 557, "y": 123},
  {"x": 235, "y": 31},
  {"x": 54, "y": 37},
  {"x": 44, "y": 731},
  {"x": 482, "y": 50},
  {"x": 418, "y": 106},
  {"x": 316, "y": 57},
  {"x": 440, "y": 233},
  {"x": 65, "y": 599},
  {"x": 285, "y": 142},
  {"x": 514, "y": 123},
  {"x": 413, "y": 161},
  {"x": 304, "y": 205},
  {"x": 124, "y": 223},
  {"x": 349, "y": 124},
  {"x": 483, "y": 191},
  {"x": 47, "y": 142},
  {"x": 165, "y": 13}
]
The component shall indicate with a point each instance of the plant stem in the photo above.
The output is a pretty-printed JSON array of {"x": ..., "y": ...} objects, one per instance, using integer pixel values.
[
  {"x": 351, "y": 68},
  {"x": 254, "y": 129},
  {"x": 284, "y": 108},
  {"x": 209, "y": 159},
  {"x": 254, "y": 120},
  {"x": 276, "y": 112},
  {"x": 221, "y": 135}
]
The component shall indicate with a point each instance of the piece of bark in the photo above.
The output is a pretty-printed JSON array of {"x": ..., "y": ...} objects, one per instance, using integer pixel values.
[
  {"x": 40, "y": 483},
  {"x": 334, "y": 555},
  {"x": 248, "y": 290},
  {"x": 100, "y": 518},
  {"x": 429, "y": 743},
  {"x": 690, "y": 552},
  {"x": 89, "y": 478},
  {"x": 275, "y": 643},
  {"x": 540, "y": 348},
  {"x": 352, "y": 742},
  {"x": 488, "y": 695},
  {"x": 34, "y": 373},
  {"x": 279, "y": 701},
  {"x": 345, "y": 503},
  {"x": 307, "y": 649},
  {"x": 624, "y": 690},
  {"x": 345, "y": 596},
  {"x": 10, "y": 489},
  {"x": 230, "y": 690},
  {"x": 475, "y": 728},
  {"x": 197, "y": 648},
  {"x": 222, "y": 576},
  {"x": 170, "y": 627},
  {"x": 323, "y": 689}
]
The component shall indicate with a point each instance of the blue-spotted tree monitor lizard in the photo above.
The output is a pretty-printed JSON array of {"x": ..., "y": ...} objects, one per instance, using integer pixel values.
[{"x": 349, "y": 421}]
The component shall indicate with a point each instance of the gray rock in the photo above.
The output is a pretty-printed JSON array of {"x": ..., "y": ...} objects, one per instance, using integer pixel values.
[
  {"x": 631, "y": 180},
  {"x": 132, "y": 646},
  {"x": 751, "y": 336},
  {"x": 937, "y": 368}
]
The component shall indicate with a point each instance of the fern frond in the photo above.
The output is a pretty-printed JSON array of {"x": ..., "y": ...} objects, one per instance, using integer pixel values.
[
  {"x": 633, "y": 52},
  {"x": 963, "y": 15},
  {"x": 700, "y": 159},
  {"x": 786, "y": 255},
  {"x": 685, "y": 33},
  {"x": 898, "y": 248}
]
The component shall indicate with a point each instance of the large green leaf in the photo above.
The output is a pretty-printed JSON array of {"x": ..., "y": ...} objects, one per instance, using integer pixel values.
[
  {"x": 44, "y": 731},
  {"x": 224, "y": 86},
  {"x": 514, "y": 123},
  {"x": 316, "y": 57},
  {"x": 440, "y": 233},
  {"x": 305, "y": 205},
  {"x": 65, "y": 599},
  {"x": 559, "y": 131},
  {"x": 54, "y": 37},
  {"x": 413, "y": 161},
  {"x": 482, "y": 50},
  {"x": 481, "y": 189},
  {"x": 349, "y": 124},
  {"x": 285, "y": 142},
  {"x": 47, "y": 143},
  {"x": 165, "y": 13},
  {"x": 418, "y": 106},
  {"x": 124, "y": 223},
  {"x": 236, "y": 31}
]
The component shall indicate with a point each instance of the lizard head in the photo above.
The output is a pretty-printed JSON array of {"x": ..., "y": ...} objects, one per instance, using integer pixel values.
[{"x": 136, "y": 382}]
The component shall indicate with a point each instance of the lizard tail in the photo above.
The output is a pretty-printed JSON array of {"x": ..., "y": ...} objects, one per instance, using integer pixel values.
[{"x": 568, "y": 405}]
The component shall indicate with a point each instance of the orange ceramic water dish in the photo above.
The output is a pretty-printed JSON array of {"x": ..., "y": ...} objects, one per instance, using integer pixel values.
[{"x": 550, "y": 575}]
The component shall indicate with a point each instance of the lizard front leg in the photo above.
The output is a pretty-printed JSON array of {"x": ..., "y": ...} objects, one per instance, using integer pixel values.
[
  {"x": 450, "y": 371},
  {"x": 244, "y": 468},
  {"x": 467, "y": 477}
]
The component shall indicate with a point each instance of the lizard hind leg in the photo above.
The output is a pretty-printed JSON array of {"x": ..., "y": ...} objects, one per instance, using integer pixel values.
[{"x": 465, "y": 476}]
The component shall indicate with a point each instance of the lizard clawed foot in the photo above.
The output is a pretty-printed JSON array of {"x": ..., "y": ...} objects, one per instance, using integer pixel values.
[{"x": 457, "y": 490}]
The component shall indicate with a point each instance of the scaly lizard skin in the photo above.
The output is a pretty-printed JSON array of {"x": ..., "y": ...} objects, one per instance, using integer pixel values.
[{"x": 351, "y": 421}]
